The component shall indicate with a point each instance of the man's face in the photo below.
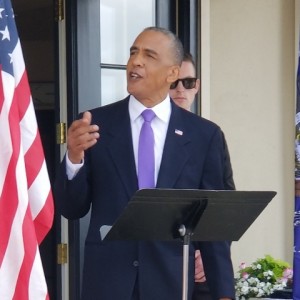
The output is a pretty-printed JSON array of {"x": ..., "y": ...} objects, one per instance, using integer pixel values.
[
  {"x": 184, "y": 97},
  {"x": 151, "y": 68}
]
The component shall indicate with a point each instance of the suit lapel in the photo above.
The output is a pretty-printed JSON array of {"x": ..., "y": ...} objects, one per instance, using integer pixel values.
[
  {"x": 175, "y": 152},
  {"x": 121, "y": 149}
]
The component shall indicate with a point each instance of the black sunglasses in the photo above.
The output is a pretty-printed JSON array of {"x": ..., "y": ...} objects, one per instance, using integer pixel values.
[{"x": 188, "y": 83}]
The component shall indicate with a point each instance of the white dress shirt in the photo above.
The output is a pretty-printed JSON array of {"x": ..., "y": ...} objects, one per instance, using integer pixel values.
[{"x": 159, "y": 125}]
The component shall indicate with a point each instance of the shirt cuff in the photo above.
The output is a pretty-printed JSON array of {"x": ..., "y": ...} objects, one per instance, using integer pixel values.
[{"x": 72, "y": 169}]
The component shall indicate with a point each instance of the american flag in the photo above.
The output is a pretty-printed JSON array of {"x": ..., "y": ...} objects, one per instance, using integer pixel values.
[{"x": 26, "y": 203}]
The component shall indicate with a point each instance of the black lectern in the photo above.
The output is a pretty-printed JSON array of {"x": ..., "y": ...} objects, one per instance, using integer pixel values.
[{"x": 192, "y": 215}]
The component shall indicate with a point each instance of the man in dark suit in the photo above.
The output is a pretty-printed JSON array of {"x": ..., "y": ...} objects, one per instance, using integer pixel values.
[
  {"x": 102, "y": 175},
  {"x": 183, "y": 92}
]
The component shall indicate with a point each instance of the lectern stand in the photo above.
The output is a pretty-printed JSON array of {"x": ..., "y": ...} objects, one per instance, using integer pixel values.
[{"x": 192, "y": 215}]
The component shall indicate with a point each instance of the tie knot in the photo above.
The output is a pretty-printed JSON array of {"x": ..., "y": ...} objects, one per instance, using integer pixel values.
[{"x": 148, "y": 115}]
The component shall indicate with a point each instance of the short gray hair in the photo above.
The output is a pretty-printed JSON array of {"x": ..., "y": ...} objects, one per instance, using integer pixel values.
[{"x": 177, "y": 47}]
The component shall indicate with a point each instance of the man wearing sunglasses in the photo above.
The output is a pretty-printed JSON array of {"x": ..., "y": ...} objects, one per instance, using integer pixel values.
[{"x": 183, "y": 92}]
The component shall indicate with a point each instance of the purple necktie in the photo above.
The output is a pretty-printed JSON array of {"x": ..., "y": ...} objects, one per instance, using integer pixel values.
[{"x": 146, "y": 152}]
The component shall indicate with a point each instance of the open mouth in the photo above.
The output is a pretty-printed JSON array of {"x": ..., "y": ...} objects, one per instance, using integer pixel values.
[{"x": 134, "y": 75}]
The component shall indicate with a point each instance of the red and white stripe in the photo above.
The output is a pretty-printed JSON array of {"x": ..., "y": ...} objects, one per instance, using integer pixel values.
[{"x": 26, "y": 204}]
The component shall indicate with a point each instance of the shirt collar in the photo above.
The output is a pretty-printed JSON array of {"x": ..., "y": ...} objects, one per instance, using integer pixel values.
[{"x": 162, "y": 109}]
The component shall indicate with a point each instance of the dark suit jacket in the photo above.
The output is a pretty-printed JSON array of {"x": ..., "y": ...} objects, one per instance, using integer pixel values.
[{"x": 107, "y": 182}]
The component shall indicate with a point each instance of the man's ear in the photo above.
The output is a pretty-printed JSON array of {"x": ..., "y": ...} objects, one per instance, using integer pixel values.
[
  {"x": 173, "y": 74},
  {"x": 198, "y": 83}
]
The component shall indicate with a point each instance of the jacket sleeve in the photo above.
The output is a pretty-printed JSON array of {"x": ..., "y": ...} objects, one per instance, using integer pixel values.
[
  {"x": 218, "y": 268},
  {"x": 72, "y": 196}
]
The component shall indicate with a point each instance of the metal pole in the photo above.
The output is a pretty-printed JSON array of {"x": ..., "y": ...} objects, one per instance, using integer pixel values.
[
  {"x": 185, "y": 275},
  {"x": 185, "y": 279}
]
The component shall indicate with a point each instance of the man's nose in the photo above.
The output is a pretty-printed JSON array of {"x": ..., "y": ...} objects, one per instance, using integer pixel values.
[
  {"x": 180, "y": 86},
  {"x": 137, "y": 59}
]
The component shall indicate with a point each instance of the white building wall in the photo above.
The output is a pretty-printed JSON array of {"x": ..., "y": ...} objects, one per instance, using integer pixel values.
[{"x": 251, "y": 69}]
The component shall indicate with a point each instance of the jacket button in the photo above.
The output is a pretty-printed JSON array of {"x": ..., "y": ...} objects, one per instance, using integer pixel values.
[{"x": 135, "y": 263}]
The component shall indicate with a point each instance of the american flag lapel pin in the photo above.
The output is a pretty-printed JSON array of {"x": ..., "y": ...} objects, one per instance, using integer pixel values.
[{"x": 178, "y": 132}]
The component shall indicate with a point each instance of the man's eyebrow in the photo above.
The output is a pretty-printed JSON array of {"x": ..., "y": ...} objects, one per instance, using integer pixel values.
[
  {"x": 147, "y": 50},
  {"x": 133, "y": 48},
  {"x": 151, "y": 51}
]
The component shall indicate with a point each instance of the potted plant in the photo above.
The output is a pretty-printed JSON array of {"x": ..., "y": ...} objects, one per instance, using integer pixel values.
[{"x": 262, "y": 278}]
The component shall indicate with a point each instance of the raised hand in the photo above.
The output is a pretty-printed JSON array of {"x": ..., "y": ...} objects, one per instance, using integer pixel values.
[{"x": 81, "y": 136}]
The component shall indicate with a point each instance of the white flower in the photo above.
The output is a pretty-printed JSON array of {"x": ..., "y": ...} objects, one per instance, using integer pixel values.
[
  {"x": 253, "y": 280},
  {"x": 260, "y": 293},
  {"x": 245, "y": 290}
]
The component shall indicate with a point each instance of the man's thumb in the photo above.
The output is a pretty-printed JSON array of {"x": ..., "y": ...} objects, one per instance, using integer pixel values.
[{"x": 87, "y": 116}]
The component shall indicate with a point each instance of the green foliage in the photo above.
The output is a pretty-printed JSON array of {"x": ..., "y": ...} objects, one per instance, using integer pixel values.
[{"x": 268, "y": 263}]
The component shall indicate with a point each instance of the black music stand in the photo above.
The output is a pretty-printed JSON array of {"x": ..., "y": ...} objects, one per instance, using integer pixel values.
[{"x": 191, "y": 215}]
